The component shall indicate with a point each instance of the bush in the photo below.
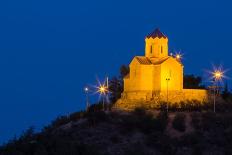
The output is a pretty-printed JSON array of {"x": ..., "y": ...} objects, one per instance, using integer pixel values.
[
  {"x": 161, "y": 121},
  {"x": 61, "y": 120},
  {"x": 196, "y": 120},
  {"x": 139, "y": 119},
  {"x": 144, "y": 121},
  {"x": 77, "y": 115},
  {"x": 96, "y": 117},
  {"x": 161, "y": 143},
  {"x": 209, "y": 121},
  {"x": 136, "y": 149},
  {"x": 179, "y": 122}
]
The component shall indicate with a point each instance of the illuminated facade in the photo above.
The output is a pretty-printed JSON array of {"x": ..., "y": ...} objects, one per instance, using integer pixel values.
[{"x": 157, "y": 76}]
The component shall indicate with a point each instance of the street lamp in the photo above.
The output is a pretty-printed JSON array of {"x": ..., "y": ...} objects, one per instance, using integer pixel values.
[
  {"x": 167, "y": 80},
  {"x": 102, "y": 89},
  {"x": 86, "y": 89},
  {"x": 178, "y": 56},
  {"x": 217, "y": 76}
]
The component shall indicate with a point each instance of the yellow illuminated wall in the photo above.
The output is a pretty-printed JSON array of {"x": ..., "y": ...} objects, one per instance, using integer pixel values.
[
  {"x": 148, "y": 76},
  {"x": 156, "y": 47},
  {"x": 171, "y": 75}
]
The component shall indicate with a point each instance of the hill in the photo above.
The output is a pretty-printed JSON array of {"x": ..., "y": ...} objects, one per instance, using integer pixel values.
[{"x": 137, "y": 132}]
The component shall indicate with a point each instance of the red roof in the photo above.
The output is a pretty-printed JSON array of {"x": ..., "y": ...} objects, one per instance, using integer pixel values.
[{"x": 157, "y": 33}]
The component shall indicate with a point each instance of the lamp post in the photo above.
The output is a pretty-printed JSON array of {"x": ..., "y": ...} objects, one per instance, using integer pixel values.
[
  {"x": 86, "y": 89},
  {"x": 167, "y": 80},
  {"x": 102, "y": 89},
  {"x": 217, "y": 76},
  {"x": 107, "y": 91}
]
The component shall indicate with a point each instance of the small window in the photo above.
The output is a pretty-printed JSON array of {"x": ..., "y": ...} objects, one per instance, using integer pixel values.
[
  {"x": 161, "y": 50},
  {"x": 151, "y": 50}
]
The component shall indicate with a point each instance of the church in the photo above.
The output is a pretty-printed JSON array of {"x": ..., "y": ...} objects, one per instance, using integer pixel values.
[{"x": 157, "y": 76}]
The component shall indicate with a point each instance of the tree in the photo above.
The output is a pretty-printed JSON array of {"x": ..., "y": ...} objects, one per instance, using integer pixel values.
[
  {"x": 124, "y": 70},
  {"x": 116, "y": 88},
  {"x": 225, "y": 92},
  {"x": 116, "y": 84},
  {"x": 193, "y": 82}
]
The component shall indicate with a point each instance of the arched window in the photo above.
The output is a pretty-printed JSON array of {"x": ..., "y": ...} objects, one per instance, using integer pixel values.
[{"x": 151, "y": 49}]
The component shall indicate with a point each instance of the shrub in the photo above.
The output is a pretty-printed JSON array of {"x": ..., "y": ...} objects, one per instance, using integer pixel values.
[
  {"x": 139, "y": 119},
  {"x": 61, "y": 120},
  {"x": 144, "y": 121},
  {"x": 209, "y": 121},
  {"x": 136, "y": 149},
  {"x": 179, "y": 122},
  {"x": 196, "y": 120},
  {"x": 77, "y": 115},
  {"x": 115, "y": 139},
  {"x": 161, "y": 121},
  {"x": 160, "y": 142},
  {"x": 96, "y": 117}
]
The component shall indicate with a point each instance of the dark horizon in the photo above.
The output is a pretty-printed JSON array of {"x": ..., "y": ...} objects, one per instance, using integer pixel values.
[{"x": 51, "y": 49}]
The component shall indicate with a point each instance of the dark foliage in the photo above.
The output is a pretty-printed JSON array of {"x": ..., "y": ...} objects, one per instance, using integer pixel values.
[
  {"x": 226, "y": 93},
  {"x": 116, "y": 88},
  {"x": 161, "y": 143},
  {"x": 136, "y": 149},
  {"x": 212, "y": 134},
  {"x": 192, "y": 82},
  {"x": 116, "y": 84},
  {"x": 124, "y": 70},
  {"x": 196, "y": 120},
  {"x": 144, "y": 121},
  {"x": 179, "y": 122}
]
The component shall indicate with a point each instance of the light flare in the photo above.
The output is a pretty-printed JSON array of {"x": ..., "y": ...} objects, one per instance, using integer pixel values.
[
  {"x": 218, "y": 73},
  {"x": 178, "y": 56}
]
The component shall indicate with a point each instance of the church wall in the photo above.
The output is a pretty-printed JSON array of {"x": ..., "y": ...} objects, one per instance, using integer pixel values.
[
  {"x": 172, "y": 70},
  {"x": 147, "y": 99},
  {"x": 173, "y": 96},
  {"x": 156, "y": 44},
  {"x": 146, "y": 86},
  {"x": 184, "y": 95},
  {"x": 156, "y": 77},
  {"x": 147, "y": 76},
  {"x": 133, "y": 83}
]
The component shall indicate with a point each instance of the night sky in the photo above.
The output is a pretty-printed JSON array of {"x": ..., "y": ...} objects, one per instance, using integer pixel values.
[{"x": 50, "y": 49}]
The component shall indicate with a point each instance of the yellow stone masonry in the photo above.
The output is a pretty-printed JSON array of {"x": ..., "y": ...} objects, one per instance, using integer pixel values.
[{"x": 156, "y": 77}]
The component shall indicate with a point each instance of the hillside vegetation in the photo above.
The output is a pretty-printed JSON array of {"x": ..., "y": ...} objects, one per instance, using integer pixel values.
[{"x": 137, "y": 132}]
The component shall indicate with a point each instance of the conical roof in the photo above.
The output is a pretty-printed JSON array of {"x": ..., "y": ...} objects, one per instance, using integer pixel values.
[{"x": 156, "y": 33}]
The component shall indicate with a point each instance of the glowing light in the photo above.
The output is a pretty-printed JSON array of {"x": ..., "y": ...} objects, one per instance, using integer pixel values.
[
  {"x": 178, "y": 56},
  {"x": 86, "y": 89},
  {"x": 218, "y": 73},
  {"x": 102, "y": 89}
]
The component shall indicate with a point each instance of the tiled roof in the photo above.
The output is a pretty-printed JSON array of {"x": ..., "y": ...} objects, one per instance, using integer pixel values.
[
  {"x": 127, "y": 76},
  {"x": 146, "y": 61},
  {"x": 160, "y": 61},
  {"x": 143, "y": 60},
  {"x": 156, "y": 33}
]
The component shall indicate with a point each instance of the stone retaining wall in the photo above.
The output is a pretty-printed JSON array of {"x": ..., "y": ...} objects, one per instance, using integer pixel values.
[{"x": 152, "y": 99}]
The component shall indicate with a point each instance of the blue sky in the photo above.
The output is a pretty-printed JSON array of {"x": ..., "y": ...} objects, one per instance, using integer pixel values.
[{"x": 50, "y": 49}]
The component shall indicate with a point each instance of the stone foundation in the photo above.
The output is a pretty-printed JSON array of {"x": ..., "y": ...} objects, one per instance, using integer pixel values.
[{"x": 153, "y": 99}]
